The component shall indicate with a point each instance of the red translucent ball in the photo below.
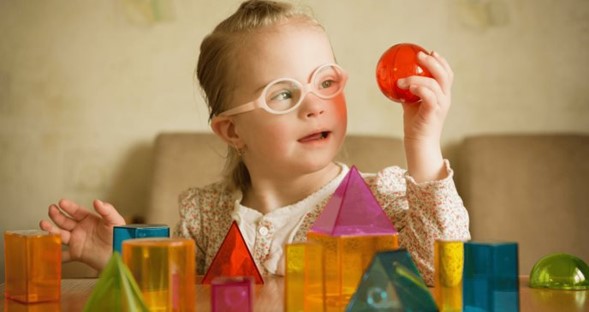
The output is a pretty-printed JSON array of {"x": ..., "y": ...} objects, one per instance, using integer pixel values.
[{"x": 399, "y": 61}]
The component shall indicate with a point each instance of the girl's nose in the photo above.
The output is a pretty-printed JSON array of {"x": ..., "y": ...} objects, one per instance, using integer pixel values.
[{"x": 312, "y": 106}]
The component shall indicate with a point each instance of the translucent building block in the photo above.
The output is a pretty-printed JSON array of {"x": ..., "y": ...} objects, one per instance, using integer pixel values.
[
  {"x": 164, "y": 269},
  {"x": 304, "y": 277},
  {"x": 448, "y": 264},
  {"x": 392, "y": 283},
  {"x": 131, "y": 231},
  {"x": 233, "y": 259},
  {"x": 32, "y": 266},
  {"x": 232, "y": 294},
  {"x": 560, "y": 271},
  {"x": 116, "y": 289},
  {"x": 490, "y": 278},
  {"x": 351, "y": 229}
]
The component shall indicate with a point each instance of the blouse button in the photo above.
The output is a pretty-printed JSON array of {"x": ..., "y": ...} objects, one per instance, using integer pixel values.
[{"x": 263, "y": 231}]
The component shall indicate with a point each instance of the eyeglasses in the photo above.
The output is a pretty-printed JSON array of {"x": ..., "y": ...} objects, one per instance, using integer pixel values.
[{"x": 282, "y": 96}]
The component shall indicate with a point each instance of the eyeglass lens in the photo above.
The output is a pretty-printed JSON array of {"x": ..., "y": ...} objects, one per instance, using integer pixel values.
[{"x": 285, "y": 94}]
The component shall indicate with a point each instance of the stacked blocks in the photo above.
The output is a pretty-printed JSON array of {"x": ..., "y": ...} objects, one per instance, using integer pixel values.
[
  {"x": 164, "y": 269},
  {"x": 392, "y": 283},
  {"x": 33, "y": 265},
  {"x": 490, "y": 277},
  {"x": 233, "y": 259},
  {"x": 351, "y": 229},
  {"x": 131, "y": 231},
  {"x": 232, "y": 294}
]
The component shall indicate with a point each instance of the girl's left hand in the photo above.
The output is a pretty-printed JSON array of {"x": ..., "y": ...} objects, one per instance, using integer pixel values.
[{"x": 423, "y": 121}]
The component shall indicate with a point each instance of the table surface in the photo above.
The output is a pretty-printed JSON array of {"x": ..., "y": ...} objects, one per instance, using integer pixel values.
[{"x": 269, "y": 297}]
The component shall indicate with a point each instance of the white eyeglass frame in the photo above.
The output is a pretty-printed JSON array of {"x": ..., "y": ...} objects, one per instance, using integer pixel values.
[{"x": 260, "y": 102}]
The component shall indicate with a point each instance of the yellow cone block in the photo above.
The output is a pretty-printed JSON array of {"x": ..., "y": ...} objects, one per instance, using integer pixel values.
[
  {"x": 346, "y": 259},
  {"x": 448, "y": 264},
  {"x": 164, "y": 269},
  {"x": 33, "y": 265}
]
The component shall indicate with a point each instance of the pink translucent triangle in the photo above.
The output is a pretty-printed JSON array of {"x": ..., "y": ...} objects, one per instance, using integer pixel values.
[{"x": 353, "y": 210}]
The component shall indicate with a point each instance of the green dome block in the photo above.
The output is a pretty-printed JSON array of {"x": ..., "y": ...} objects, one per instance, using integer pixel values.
[{"x": 560, "y": 271}]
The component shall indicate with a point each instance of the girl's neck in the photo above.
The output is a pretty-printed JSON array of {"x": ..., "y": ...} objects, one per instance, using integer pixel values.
[{"x": 266, "y": 195}]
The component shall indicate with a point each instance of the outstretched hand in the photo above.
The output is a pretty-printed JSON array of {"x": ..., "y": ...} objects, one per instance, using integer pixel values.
[{"x": 88, "y": 235}]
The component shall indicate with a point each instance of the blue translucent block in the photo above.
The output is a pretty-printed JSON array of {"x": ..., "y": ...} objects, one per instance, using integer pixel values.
[
  {"x": 490, "y": 280},
  {"x": 130, "y": 231},
  {"x": 392, "y": 283}
]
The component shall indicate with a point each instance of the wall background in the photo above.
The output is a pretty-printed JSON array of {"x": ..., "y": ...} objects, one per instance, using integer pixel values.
[{"x": 85, "y": 86}]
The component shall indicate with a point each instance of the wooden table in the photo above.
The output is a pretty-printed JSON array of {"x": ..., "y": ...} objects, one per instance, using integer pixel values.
[{"x": 269, "y": 297}]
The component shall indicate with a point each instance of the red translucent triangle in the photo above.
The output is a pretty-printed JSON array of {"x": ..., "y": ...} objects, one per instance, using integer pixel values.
[
  {"x": 353, "y": 210},
  {"x": 233, "y": 259}
]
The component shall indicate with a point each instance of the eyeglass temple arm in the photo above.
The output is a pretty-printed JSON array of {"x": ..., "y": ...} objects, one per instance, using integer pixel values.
[{"x": 239, "y": 109}]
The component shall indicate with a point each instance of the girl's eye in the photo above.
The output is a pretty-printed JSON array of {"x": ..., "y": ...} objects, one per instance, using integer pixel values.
[
  {"x": 326, "y": 84},
  {"x": 281, "y": 96}
]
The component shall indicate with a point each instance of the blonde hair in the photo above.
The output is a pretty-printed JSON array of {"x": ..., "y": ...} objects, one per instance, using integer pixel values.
[{"x": 215, "y": 64}]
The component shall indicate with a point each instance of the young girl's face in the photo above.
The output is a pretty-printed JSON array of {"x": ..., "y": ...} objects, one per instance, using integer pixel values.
[{"x": 306, "y": 139}]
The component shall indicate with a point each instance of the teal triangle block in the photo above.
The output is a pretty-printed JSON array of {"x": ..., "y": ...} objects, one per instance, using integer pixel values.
[
  {"x": 116, "y": 289},
  {"x": 392, "y": 283},
  {"x": 353, "y": 210}
]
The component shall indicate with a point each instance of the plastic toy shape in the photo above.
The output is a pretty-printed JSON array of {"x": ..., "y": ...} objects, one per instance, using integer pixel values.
[
  {"x": 164, "y": 269},
  {"x": 392, "y": 283},
  {"x": 32, "y": 266},
  {"x": 353, "y": 210},
  {"x": 232, "y": 294},
  {"x": 448, "y": 264},
  {"x": 560, "y": 271},
  {"x": 399, "y": 61},
  {"x": 131, "y": 231},
  {"x": 351, "y": 228},
  {"x": 116, "y": 289},
  {"x": 233, "y": 259},
  {"x": 304, "y": 282},
  {"x": 490, "y": 278}
]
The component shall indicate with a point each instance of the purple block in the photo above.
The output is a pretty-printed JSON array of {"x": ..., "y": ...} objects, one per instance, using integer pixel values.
[
  {"x": 230, "y": 294},
  {"x": 353, "y": 210}
]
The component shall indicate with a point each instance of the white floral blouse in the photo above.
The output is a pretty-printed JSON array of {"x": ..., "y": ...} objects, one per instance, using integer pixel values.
[{"x": 421, "y": 212}]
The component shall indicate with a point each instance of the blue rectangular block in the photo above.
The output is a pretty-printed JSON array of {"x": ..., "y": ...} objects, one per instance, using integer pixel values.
[
  {"x": 490, "y": 280},
  {"x": 130, "y": 231}
]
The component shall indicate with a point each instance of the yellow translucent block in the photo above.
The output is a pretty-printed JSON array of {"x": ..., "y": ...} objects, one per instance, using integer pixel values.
[
  {"x": 448, "y": 264},
  {"x": 304, "y": 283},
  {"x": 346, "y": 259},
  {"x": 164, "y": 269},
  {"x": 33, "y": 265}
]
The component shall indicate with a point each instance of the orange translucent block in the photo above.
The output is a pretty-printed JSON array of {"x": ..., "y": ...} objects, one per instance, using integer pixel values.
[
  {"x": 233, "y": 259},
  {"x": 346, "y": 258},
  {"x": 164, "y": 269},
  {"x": 304, "y": 277},
  {"x": 448, "y": 265},
  {"x": 32, "y": 266}
]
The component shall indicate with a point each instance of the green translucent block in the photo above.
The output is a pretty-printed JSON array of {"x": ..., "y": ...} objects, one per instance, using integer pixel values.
[
  {"x": 116, "y": 289},
  {"x": 560, "y": 271},
  {"x": 392, "y": 283}
]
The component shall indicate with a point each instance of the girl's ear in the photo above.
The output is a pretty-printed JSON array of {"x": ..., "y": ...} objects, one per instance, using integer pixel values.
[{"x": 225, "y": 129}]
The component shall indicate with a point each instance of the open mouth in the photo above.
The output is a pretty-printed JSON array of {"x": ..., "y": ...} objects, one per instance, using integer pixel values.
[{"x": 316, "y": 136}]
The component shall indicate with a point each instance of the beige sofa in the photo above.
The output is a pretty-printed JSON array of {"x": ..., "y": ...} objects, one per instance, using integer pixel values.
[{"x": 531, "y": 189}]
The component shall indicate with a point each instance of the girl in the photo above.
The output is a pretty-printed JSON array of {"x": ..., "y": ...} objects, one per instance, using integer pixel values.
[{"x": 275, "y": 95}]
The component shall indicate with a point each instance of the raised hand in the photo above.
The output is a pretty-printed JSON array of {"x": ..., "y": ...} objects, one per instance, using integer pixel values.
[
  {"x": 88, "y": 235},
  {"x": 424, "y": 121}
]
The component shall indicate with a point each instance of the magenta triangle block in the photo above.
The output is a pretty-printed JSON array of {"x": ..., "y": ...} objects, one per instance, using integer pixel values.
[{"x": 353, "y": 210}]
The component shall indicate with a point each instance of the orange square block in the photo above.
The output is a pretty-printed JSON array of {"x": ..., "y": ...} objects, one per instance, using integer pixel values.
[{"x": 32, "y": 265}]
